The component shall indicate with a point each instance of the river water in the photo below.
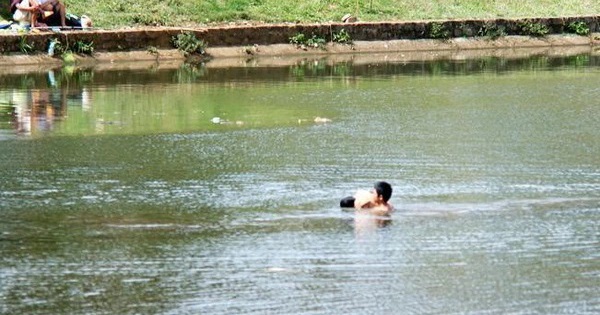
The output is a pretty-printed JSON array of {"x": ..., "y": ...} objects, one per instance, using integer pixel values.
[{"x": 198, "y": 190}]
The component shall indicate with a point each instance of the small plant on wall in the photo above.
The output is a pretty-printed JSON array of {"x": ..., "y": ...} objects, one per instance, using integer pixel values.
[
  {"x": 189, "y": 44},
  {"x": 579, "y": 28},
  {"x": 298, "y": 39},
  {"x": 83, "y": 47},
  {"x": 534, "y": 29},
  {"x": 492, "y": 30},
  {"x": 439, "y": 31},
  {"x": 58, "y": 48},
  {"x": 342, "y": 37},
  {"x": 25, "y": 46},
  {"x": 302, "y": 41}
]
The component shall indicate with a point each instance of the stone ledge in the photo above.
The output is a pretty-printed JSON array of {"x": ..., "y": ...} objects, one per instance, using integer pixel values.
[
  {"x": 239, "y": 41},
  {"x": 127, "y": 39},
  {"x": 510, "y": 47}
]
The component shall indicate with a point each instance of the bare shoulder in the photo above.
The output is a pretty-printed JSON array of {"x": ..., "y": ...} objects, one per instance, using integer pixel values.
[{"x": 382, "y": 210}]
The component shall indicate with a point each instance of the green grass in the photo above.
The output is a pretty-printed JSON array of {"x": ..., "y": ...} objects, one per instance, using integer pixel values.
[{"x": 118, "y": 13}]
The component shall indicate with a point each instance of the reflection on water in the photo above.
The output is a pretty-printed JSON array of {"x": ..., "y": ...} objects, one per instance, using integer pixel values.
[
  {"x": 122, "y": 193},
  {"x": 158, "y": 100},
  {"x": 36, "y": 109}
]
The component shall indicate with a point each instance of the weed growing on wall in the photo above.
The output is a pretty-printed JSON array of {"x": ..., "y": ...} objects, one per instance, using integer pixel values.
[
  {"x": 534, "y": 29},
  {"x": 189, "y": 44},
  {"x": 25, "y": 46},
  {"x": 579, "y": 28},
  {"x": 342, "y": 37},
  {"x": 315, "y": 41},
  {"x": 439, "y": 31},
  {"x": 492, "y": 30},
  {"x": 83, "y": 47},
  {"x": 298, "y": 39},
  {"x": 58, "y": 48},
  {"x": 303, "y": 41},
  {"x": 152, "y": 50}
]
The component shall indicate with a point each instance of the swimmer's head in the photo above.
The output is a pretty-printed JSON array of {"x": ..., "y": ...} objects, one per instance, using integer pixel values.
[{"x": 384, "y": 190}]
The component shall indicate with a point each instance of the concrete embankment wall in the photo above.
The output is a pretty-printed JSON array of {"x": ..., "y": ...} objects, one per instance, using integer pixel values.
[{"x": 248, "y": 35}]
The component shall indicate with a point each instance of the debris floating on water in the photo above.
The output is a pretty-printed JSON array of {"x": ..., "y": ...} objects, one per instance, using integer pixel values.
[{"x": 322, "y": 120}]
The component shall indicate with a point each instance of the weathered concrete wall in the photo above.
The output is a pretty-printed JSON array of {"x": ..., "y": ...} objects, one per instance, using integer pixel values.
[
  {"x": 161, "y": 38},
  {"x": 102, "y": 40}
]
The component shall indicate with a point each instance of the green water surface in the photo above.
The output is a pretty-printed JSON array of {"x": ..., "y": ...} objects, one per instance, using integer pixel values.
[{"x": 203, "y": 190}]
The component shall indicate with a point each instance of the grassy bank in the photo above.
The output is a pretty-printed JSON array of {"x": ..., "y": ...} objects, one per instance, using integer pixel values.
[{"x": 118, "y": 13}]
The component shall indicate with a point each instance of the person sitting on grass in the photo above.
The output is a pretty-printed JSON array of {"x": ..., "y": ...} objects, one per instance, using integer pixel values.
[
  {"x": 23, "y": 12},
  {"x": 51, "y": 12},
  {"x": 47, "y": 13}
]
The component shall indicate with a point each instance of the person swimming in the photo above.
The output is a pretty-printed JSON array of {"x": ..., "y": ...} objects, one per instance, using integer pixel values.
[{"x": 375, "y": 200}]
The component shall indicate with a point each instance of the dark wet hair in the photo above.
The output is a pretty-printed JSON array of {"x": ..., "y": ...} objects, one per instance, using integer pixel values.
[
  {"x": 384, "y": 190},
  {"x": 347, "y": 202}
]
